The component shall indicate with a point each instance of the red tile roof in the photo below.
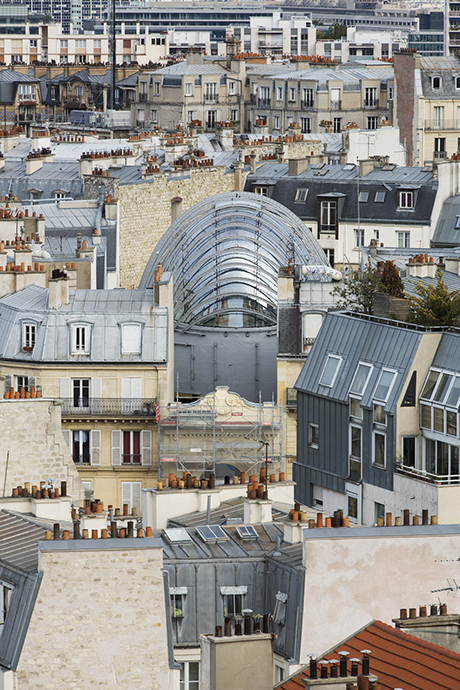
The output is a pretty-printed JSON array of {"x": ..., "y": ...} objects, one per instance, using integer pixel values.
[{"x": 398, "y": 660}]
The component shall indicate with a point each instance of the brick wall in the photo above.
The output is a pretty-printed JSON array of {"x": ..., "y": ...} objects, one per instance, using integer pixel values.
[
  {"x": 404, "y": 66},
  {"x": 30, "y": 430}
]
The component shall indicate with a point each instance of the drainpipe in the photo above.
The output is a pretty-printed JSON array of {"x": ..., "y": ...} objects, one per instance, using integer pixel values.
[{"x": 101, "y": 190}]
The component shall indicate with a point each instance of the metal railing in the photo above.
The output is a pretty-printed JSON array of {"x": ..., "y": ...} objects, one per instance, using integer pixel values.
[
  {"x": 336, "y": 105},
  {"x": 442, "y": 479},
  {"x": 442, "y": 124},
  {"x": 264, "y": 103},
  {"x": 306, "y": 105},
  {"x": 142, "y": 98},
  {"x": 371, "y": 103},
  {"x": 131, "y": 458},
  {"x": 211, "y": 98},
  {"x": 82, "y": 459},
  {"x": 439, "y": 155},
  {"x": 108, "y": 407}
]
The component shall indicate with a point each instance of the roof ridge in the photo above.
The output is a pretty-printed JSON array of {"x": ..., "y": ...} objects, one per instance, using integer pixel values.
[{"x": 417, "y": 640}]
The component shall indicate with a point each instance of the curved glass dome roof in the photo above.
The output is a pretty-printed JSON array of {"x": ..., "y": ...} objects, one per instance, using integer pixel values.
[{"x": 225, "y": 253}]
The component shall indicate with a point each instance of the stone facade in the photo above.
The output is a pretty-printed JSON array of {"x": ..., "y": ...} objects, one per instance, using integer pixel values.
[
  {"x": 103, "y": 613},
  {"x": 33, "y": 445},
  {"x": 145, "y": 209}
]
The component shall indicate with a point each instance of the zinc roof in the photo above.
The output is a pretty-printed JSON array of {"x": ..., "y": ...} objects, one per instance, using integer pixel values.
[
  {"x": 18, "y": 541},
  {"x": 398, "y": 660}
]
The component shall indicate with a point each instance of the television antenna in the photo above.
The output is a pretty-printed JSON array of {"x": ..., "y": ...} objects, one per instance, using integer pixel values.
[{"x": 452, "y": 590}]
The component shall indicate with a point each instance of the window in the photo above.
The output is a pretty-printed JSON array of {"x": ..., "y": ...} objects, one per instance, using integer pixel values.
[
  {"x": 233, "y": 598},
  {"x": 131, "y": 338},
  {"x": 26, "y": 92},
  {"x": 355, "y": 452},
  {"x": 279, "y": 612},
  {"x": 188, "y": 88},
  {"x": 291, "y": 94},
  {"x": 379, "y": 449},
  {"x": 64, "y": 44},
  {"x": 360, "y": 379},
  {"x": 131, "y": 495},
  {"x": 305, "y": 125},
  {"x": 379, "y": 197},
  {"x": 328, "y": 216},
  {"x": 403, "y": 240},
  {"x": 442, "y": 459},
  {"x": 307, "y": 98},
  {"x": 177, "y": 600},
  {"x": 406, "y": 199},
  {"x": 376, "y": 235},
  {"x": 330, "y": 371},
  {"x": 436, "y": 82},
  {"x": 263, "y": 191},
  {"x": 22, "y": 382},
  {"x": 97, "y": 43},
  {"x": 390, "y": 93},
  {"x": 301, "y": 194},
  {"x": 430, "y": 384},
  {"x": 277, "y": 122},
  {"x": 131, "y": 448},
  {"x": 79, "y": 91},
  {"x": 355, "y": 408},
  {"x": 80, "y": 391},
  {"x": 232, "y": 88},
  {"x": 313, "y": 435},
  {"x": 359, "y": 238},
  {"x": 409, "y": 395},
  {"x": 353, "y": 507},
  {"x": 210, "y": 92},
  {"x": 190, "y": 675},
  {"x": 80, "y": 340},
  {"x": 363, "y": 197},
  {"x": 337, "y": 125},
  {"x": 33, "y": 43},
  {"x": 379, "y": 415},
  {"x": 408, "y": 450},
  {"x": 211, "y": 119},
  {"x": 457, "y": 82},
  {"x": 279, "y": 93},
  {"x": 329, "y": 256},
  {"x": 29, "y": 331},
  {"x": 379, "y": 512},
  {"x": 384, "y": 385},
  {"x": 80, "y": 447},
  {"x": 5, "y": 598},
  {"x": 154, "y": 116},
  {"x": 372, "y": 122},
  {"x": 370, "y": 97},
  {"x": 80, "y": 43},
  {"x": 156, "y": 88},
  {"x": 234, "y": 115}
]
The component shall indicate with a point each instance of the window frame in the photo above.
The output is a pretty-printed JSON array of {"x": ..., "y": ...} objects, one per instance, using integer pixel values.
[
  {"x": 375, "y": 433},
  {"x": 355, "y": 458},
  {"x": 406, "y": 200},
  {"x": 29, "y": 338},
  {"x": 301, "y": 194},
  {"x": 369, "y": 373},
  {"x": 127, "y": 325},
  {"x": 339, "y": 362},
  {"x": 384, "y": 400},
  {"x": 77, "y": 347},
  {"x": 313, "y": 433}
]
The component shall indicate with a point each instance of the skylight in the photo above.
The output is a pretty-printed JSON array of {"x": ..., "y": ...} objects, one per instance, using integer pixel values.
[
  {"x": 360, "y": 379},
  {"x": 177, "y": 535},
  {"x": 330, "y": 370},
  {"x": 379, "y": 197},
  {"x": 210, "y": 533},
  {"x": 383, "y": 388},
  {"x": 246, "y": 532},
  {"x": 301, "y": 194},
  {"x": 364, "y": 197}
]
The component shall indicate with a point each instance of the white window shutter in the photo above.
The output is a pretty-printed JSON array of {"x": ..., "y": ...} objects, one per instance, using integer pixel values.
[
  {"x": 8, "y": 382},
  {"x": 95, "y": 447},
  {"x": 96, "y": 395},
  {"x": 126, "y": 495},
  {"x": 131, "y": 338},
  {"x": 136, "y": 496},
  {"x": 125, "y": 388},
  {"x": 67, "y": 438},
  {"x": 65, "y": 388},
  {"x": 146, "y": 437},
  {"x": 136, "y": 387},
  {"x": 32, "y": 382},
  {"x": 116, "y": 448}
]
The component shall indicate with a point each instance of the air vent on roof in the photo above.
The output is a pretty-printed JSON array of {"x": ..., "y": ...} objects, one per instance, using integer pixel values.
[
  {"x": 318, "y": 166},
  {"x": 177, "y": 535},
  {"x": 389, "y": 167},
  {"x": 212, "y": 533},
  {"x": 321, "y": 173},
  {"x": 349, "y": 166},
  {"x": 246, "y": 532}
]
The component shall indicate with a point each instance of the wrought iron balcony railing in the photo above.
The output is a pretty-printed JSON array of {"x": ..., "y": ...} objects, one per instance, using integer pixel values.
[
  {"x": 291, "y": 397},
  {"x": 108, "y": 407}
]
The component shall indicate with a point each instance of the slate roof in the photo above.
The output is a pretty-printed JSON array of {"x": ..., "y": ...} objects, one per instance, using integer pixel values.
[
  {"x": 357, "y": 339},
  {"x": 452, "y": 280},
  {"x": 343, "y": 179},
  {"x": 228, "y": 510},
  {"x": 446, "y": 234},
  {"x": 398, "y": 660},
  {"x": 446, "y": 67},
  {"x": 322, "y": 75},
  {"x": 183, "y": 69},
  {"x": 48, "y": 179},
  {"x": 104, "y": 310}
]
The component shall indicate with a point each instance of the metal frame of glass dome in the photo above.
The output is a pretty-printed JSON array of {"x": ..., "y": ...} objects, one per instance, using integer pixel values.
[{"x": 225, "y": 253}]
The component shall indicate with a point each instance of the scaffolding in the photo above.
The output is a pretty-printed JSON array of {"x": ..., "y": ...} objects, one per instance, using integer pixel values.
[{"x": 201, "y": 436}]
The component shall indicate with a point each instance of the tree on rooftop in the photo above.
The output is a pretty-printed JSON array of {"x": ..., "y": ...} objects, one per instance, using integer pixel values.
[
  {"x": 434, "y": 305},
  {"x": 391, "y": 280},
  {"x": 357, "y": 291}
]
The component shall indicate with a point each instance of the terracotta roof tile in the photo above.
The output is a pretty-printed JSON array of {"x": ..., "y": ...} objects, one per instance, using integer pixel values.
[{"x": 397, "y": 659}]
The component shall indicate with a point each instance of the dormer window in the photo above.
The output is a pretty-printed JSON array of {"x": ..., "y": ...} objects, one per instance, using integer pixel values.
[
  {"x": 80, "y": 344},
  {"x": 131, "y": 339},
  {"x": 457, "y": 82},
  {"x": 436, "y": 82},
  {"x": 406, "y": 199},
  {"x": 29, "y": 331}
]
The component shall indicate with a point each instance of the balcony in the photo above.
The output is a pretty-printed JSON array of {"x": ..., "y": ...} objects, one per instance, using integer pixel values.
[
  {"x": 371, "y": 104},
  {"x": 108, "y": 407},
  {"x": 291, "y": 397},
  {"x": 439, "y": 155},
  {"x": 142, "y": 98},
  {"x": 336, "y": 105},
  {"x": 211, "y": 98},
  {"x": 438, "y": 479},
  {"x": 306, "y": 105},
  {"x": 264, "y": 103},
  {"x": 442, "y": 124}
]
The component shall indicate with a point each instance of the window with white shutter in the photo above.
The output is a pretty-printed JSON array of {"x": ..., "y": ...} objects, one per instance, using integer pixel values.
[
  {"x": 131, "y": 393},
  {"x": 95, "y": 447},
  {"x": 146, "y": 447},
  {"x": 116, "y": 448},
  {"x": 131, "y": 339},
  {"x": 131, "y": 495}
]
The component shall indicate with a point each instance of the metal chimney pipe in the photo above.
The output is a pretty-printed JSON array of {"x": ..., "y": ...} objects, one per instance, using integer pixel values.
[
  {"x": 76, "y": 529},
  {"x": 343, "y": 664},
  {"x": 406, "y": 515},
  {"x": 56, "y": 530},
  {"x": 366, "y": 664},
  {"x": 228, "y": 627},
  {"x": 208, "y": 510},
  {"x": 266, "y": 623},
  {"x": 218, "y": 631},
  {"x": 247, "y": 625},
  {"x": 313, "y": 669},
  {"x": 113, "y": 530}
]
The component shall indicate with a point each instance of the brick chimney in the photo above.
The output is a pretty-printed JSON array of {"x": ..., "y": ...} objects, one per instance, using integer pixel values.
[
  {"x": 251, "y": 656},
  {"x": 406, "y": 103}
]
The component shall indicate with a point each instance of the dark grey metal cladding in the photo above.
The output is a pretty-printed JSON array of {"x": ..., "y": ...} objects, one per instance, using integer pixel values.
[
  {"x": 448, "y": 352},
  {"x": 14, "y": 630},
  {"x": 288, "y": 580},
  {"x": 446, "y": 233},
  {"x": 243, "y": 359}
]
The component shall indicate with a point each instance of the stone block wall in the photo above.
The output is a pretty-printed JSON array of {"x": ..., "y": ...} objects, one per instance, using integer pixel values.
[
  {"x": 32, "y": 447},
  {"x": 99, "y": 620}
]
